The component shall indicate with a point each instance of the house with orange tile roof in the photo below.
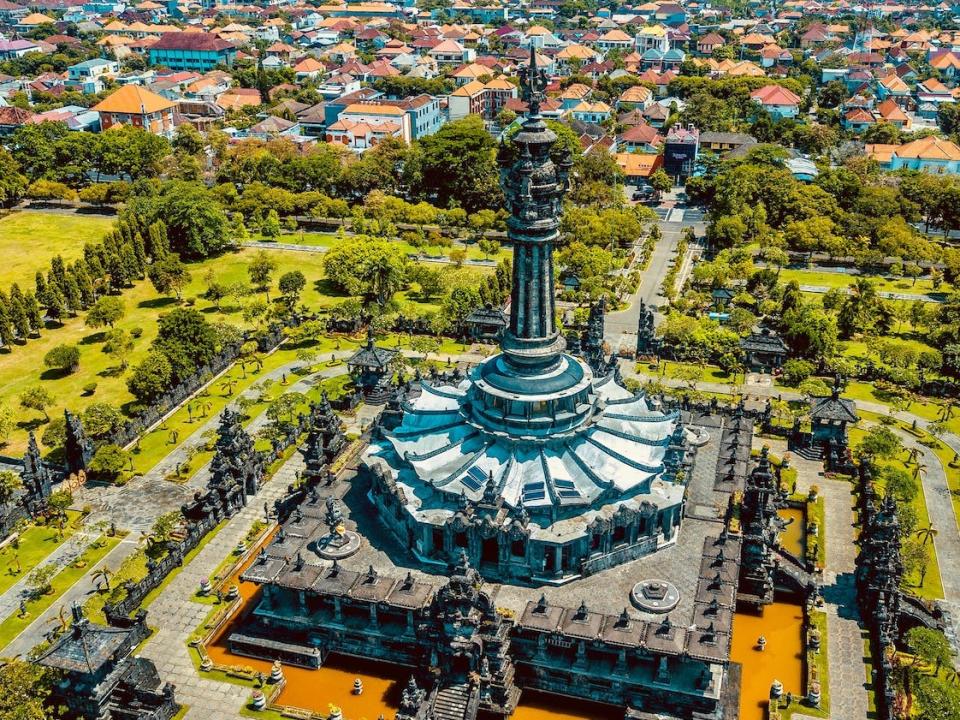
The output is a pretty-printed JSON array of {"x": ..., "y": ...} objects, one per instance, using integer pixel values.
[
  {"x": 777, "y": 100},
  {"x": 889, "y": 111},
  {"x": 931, "y": 154},
  {"x": 137, "y": 106},
  {"x": 638, "y": 167},
  {"x": 362, "y": 126}
]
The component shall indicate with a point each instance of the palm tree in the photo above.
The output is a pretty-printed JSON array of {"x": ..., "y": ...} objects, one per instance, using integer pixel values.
[
  {"x": 917, "y": 469},
  {"x": 946, "y": 411},
  {"x": 912, "y": 454},
  {"x": 104, "y": 574},
  {"x": 926, "y": 535}
]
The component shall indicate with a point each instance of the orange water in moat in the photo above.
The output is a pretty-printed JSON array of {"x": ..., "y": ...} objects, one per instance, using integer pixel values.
[
  {"x": 782, "y": 659},
  {"x": 316, "y": 690},
  {"x": 794, "y": 537}
]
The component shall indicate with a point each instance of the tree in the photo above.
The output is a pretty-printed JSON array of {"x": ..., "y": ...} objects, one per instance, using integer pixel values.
[
  {"x": 24, "y": 689},
  {"x": 151, "y": 378},
  {"x": 660, "y": 181},
  {"x": 108, "y": 462},
  {"x": 10, "y": 485},
  {"x": 457, "y": 164},
  {"x": 40, "y": 581},
  {"x": 187, "y": 340},
  {"x": 196, "y": 225},
  {"x": 430, "y": 280},
  {"x": 187, "y": 139},
  {"x": 271, "y": 225},
  {"x": 291, "y": 284},
  {"x": 880, "y": 442},
  {"x": 104, "y": 573},
  {"x": 65, "y": 358},
  {"x": 50, "y": 190},
  {"x": 424, "y": 344},
  {"x": 374, "y": 269},
  {"x": 937, "y": 699},
  {"x": 900, "y": 484},
  {"x": 107, "y": 311},
  {"x": 13, "y": 184},
  {"x": 118, "y": 345},
  {"x": 169, "y": 274},
  {"x": 37, "y": 398},
  {"x": 6, "y": 423},
  {"x": 260, "y": 269},
  {"x": 100, "y": 419}
]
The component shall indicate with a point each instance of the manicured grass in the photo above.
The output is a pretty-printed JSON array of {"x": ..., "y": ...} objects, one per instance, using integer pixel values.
[
  {"x": 884, "y": 284},
  {"x": 62, "y": 581},
  {"x": 133, "y": 568},
  {"x": 20, "y": 369},
  {"x": 672, "y": 369},
  {"x": 31, "y": 238},
  {"x": 329, "y": 240},
  {"x": 35, "y": 544},
  {"x": 932, "y": 587}
]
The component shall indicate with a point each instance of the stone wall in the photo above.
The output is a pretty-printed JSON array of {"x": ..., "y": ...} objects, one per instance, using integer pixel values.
[
  {"x": 149, "y": 416},
  {"x": 157, "y": 572}
]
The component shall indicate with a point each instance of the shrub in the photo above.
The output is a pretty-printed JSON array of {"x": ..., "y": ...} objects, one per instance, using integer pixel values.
[
  {"x": 89, "y": 388},
  {"x": 136, "y": 332}
]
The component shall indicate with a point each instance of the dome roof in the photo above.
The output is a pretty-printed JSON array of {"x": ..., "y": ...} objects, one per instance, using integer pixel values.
[{"x": 439, "y": 446}]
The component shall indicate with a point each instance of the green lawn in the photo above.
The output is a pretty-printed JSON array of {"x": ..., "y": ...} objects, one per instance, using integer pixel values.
[
  {"x": 842, "y": 280},
  {"x": 329, "y": 240},
  {"x": 35, "y": 544},
  {"x": 932, "y": 587},
  {"x": 29, "y": 239},
  {"x": 62, "y": 581},
  {"x": 20, "y": 369}
]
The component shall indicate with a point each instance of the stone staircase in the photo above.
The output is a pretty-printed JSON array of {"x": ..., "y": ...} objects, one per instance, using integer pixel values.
[
  {"x": 451, "y": 703},
  {"x": 814, "y": 454}
]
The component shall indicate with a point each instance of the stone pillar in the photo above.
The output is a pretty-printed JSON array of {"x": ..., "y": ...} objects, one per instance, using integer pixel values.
[
  {"x": 410, "y": 626},
  {"x": 558, "y": 562},
  {"x": 373, "y": 614},
  {"x": 337, "y": 609}
]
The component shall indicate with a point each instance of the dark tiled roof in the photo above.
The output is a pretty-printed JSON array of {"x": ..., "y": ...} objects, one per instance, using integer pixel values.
[{"x": 833, "y": 408}]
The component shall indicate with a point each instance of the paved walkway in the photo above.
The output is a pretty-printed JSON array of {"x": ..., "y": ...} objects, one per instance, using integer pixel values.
[
  {"x": 65, "y": 554},
  {"x": 174, "y": 616},
  {"x": 77, "y": 593},
  {"x": 848, "y": 679},
  {"x": 621, "y": 327},
  {"x": 848, "y": 674}
]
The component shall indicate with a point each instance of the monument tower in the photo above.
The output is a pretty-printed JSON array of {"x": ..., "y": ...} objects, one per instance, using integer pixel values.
[{"x": 532, "y": 437}]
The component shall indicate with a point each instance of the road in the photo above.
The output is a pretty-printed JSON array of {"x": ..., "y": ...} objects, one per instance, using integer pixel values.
[{"x": 621, "y": 327}]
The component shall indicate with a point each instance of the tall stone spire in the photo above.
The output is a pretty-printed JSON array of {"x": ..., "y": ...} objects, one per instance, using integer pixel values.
[{"x": 534, "y": 186}]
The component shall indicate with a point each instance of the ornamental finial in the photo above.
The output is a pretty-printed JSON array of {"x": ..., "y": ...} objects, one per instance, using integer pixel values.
[{"x": 533, "y": 83}]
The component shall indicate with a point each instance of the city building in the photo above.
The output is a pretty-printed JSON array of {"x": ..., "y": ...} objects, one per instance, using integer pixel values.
[
  {"x": 88, "y": 76},
  {"x": 192, "y": 51},
  {"x": 930, "y": 154},
  {"x": 137, "y": 106},
  {"x": 680, "y": 151},
  {"x": 777, "y": 101}
]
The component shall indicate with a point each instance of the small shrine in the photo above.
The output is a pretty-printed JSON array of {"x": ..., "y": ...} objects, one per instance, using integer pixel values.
[
  {"x": 763, "y": 350},
  {"x": 370, "y": 367},
  {"x": 486, "y": 324}
]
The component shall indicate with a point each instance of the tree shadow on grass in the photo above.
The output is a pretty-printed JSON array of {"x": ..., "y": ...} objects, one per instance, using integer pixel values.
[
  {"x": 54, "y": 374},
  {"x": 28, "y": 425},
  {"x": 94, "y": 338},
  {"x": 159, "y": 302},
  {"x": 325, "y": 287}
]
